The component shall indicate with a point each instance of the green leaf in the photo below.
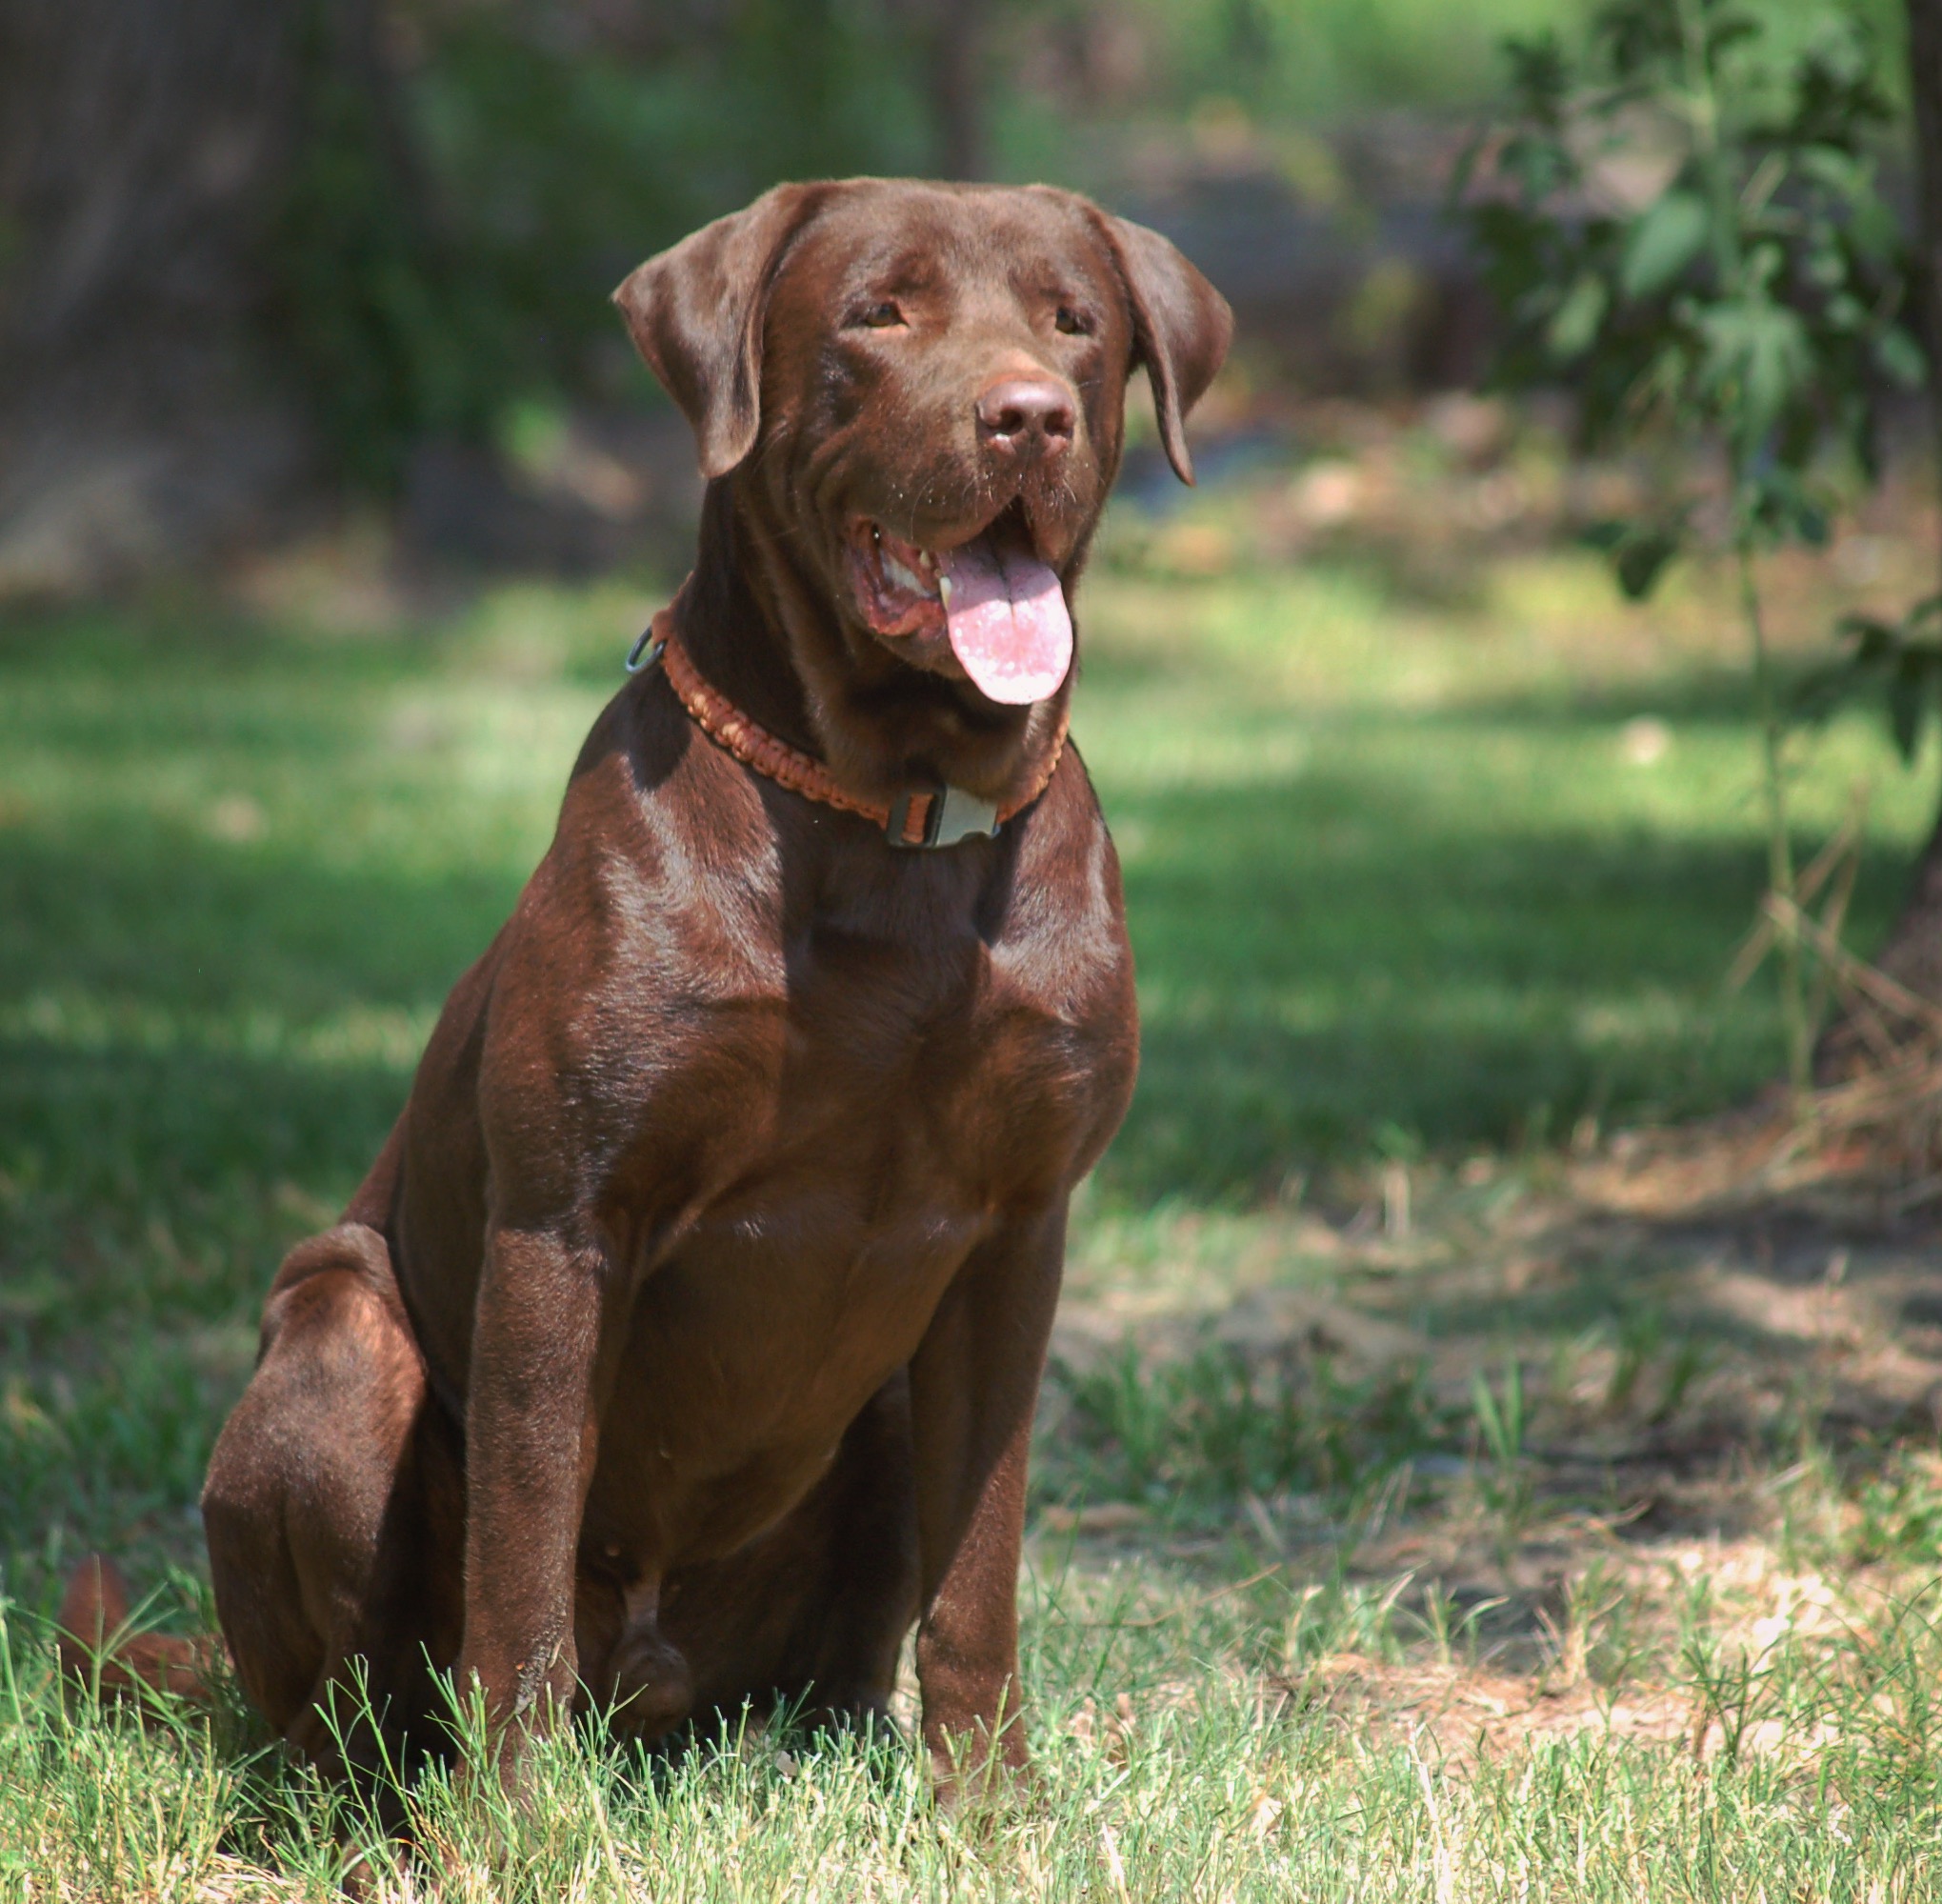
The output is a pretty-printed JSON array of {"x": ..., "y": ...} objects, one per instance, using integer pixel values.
[
  {"x": 1785, "y": 504},
  {"x": 1640, "y": 560},
  {"x": 1907, "y": 694},
  {"x": 1842, "y": 173},
  {"x": 1573, "y": 328},
  {"x": 1874, "y": 638},
  {"x": 1846, "y": 312},
  {"x": 1822, "y": 260},
  {"x": 1901, "y": 358},
  {"x": 1665, "y": 239},
  {"x": 1758, "y": 356},
  {"x": 1730, "y": 31},
  {"x": 1875, "y": 231},
  {"x": 1540, "y": 166},
  {"x": 1816, "y": 696},
  {"x": 1540, "y": 75}
]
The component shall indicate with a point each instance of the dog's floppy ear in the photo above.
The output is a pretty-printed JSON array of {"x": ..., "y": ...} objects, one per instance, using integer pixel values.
[
  {"x": 1182, "y": 327},
  {"x": 695, "y": 314}
]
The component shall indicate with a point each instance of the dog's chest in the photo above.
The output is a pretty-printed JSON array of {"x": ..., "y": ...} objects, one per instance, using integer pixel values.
[
  {"x": 907, "y": 1113},
  {"x": 897, "y": 1103},
  {"x": 956, "y": 1070}
]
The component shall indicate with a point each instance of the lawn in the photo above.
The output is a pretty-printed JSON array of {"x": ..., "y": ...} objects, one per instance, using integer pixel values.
[{"x": 1431, "y": 1501}]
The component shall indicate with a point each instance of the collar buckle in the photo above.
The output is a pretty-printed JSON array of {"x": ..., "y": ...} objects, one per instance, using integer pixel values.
[{"x": 945, "y": 817}]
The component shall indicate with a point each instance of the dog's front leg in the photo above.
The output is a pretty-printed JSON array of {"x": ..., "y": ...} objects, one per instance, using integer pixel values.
[
  {"x": 546, "y": 1307},
  {"x": 973, "y": 1390}
]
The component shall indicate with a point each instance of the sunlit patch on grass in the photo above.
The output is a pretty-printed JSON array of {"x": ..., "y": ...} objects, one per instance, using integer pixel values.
[{"x": 96, "y": 1023}]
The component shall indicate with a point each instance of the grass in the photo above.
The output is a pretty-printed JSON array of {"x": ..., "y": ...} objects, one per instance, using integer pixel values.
[
  {"x": 1417, "y": 1513},
  {"x": 1806, "y": 1785}
]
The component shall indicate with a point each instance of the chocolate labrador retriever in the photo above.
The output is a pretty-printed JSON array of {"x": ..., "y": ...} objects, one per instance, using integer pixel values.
[{"x": 680, "y": 1349}]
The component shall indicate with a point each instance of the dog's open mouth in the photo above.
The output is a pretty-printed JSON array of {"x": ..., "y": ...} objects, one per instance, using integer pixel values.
[{"x": 994, "y": 597}]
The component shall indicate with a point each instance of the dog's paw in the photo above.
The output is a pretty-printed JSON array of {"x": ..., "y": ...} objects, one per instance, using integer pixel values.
[{"x": 652, "y": 1689}]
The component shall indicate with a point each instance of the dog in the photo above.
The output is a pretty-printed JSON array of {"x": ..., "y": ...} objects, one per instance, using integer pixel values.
[{"x": 680, "y": 1352}]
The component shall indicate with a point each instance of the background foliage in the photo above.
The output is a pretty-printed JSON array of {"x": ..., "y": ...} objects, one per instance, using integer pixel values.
[{"x": 545, "y": 146}]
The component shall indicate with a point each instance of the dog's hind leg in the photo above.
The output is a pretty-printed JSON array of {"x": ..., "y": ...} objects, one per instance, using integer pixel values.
[
  {"x": 335, "y": 1511},
  {"x": 99, "y": 1652},
  {"x": 843, "y": 1654}
]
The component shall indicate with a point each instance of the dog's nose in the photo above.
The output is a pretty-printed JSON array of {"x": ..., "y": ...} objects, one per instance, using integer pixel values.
[{"x": 1026, "y": 416}]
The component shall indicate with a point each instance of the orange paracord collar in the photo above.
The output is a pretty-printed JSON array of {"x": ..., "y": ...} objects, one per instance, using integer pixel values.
[{"x": 939, "y": 818}]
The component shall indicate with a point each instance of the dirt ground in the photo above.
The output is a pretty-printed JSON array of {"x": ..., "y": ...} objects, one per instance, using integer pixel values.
[{"x": 1727, "y": 1357}]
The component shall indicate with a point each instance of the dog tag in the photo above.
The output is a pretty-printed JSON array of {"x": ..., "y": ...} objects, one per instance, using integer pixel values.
[{"x": 954, "y": 815}]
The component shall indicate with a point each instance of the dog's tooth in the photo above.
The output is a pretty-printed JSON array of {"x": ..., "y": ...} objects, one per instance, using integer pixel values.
[
  {"x": 944, "y": 590},
  {"x": 903, "y": 577}
]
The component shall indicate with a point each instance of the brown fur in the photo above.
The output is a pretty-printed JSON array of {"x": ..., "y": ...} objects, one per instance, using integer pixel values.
[
  {"x": 98, "y": 1651},
  {"x": 681, "y": 1348}
]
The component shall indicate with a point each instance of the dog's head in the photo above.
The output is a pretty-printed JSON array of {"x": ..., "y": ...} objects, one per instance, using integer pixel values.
[{"x": 917, "y": 394}]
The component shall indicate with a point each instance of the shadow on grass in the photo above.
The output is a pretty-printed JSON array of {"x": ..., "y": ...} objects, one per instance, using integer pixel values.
[
  {"x": 181, "y": 1018},
  {"x": 1326, "y": 965}
]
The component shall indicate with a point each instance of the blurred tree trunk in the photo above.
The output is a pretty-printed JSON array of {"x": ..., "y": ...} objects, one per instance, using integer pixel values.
[
  {"x": 143, "y": 149},
  {"x": 951, "y": 37},
  {"x": 1912, "y": 953}
]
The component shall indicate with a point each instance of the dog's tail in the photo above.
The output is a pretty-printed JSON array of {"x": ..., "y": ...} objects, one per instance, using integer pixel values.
[{"x": 101, "y": 1652}]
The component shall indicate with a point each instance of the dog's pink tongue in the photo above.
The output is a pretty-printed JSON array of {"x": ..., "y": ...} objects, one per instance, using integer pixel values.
[{"x": 1008, "y": 620}]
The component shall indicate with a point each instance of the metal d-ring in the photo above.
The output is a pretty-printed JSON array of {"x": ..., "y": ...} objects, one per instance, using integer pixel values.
[{"x": 637, "y": 662}]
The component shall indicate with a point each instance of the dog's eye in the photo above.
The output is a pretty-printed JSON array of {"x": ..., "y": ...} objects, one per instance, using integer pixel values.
[
  {"x": 1074, "y": 323},
  {"x": 884, "y": 316}
]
